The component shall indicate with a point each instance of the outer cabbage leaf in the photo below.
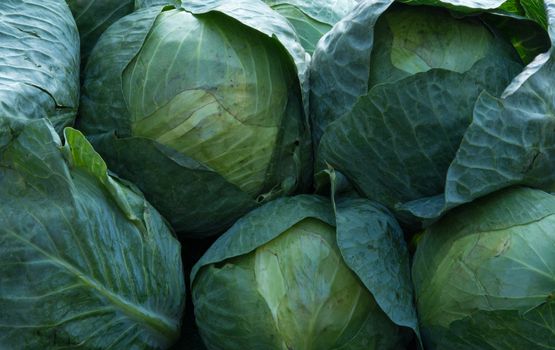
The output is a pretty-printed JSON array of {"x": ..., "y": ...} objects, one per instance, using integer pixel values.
[
  {"x": 139, "y": 4},
  {"x": 339, "y": 70},
  {"x": 312, "y": 19},
  {"x": 105, "y": 103},
  {"x": 93, "y": 17},
  {"x": 488, "y": 330},
  {"x": 373, "y": 245},
  {"x": 250, "y": 231},
  {"x": 193, "y": 179},
  {"x": 84, "y": 259},
  {"x": 395, "y": 118},
  {"x": 39, "y": 63}
]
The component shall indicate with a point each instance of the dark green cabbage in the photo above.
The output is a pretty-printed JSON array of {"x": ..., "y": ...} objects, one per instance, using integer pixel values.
[
  {"x": 427, "y": 105},
  {"x": 93, "y": 17},
  {"x": 39, "y": 63},
  {"x": 85, "y": 261}
]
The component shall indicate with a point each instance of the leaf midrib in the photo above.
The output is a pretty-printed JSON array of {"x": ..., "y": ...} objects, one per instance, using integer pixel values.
[{"x": 156, "y": 322}]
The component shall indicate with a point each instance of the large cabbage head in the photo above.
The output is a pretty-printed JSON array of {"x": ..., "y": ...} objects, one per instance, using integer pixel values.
[
  {"x": 85, "y": 261},
  {"x": 286, "y": 276},
  {"x": 411, "y": 103},
  {"x": 485, "y": 274},
  {"x": 201, "y": 106}
]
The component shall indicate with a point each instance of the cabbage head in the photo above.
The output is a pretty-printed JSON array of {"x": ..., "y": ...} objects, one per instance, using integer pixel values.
[
  {"x": 201, "y": 106},
  {"x": 294, "y": 274},
  {"x": 39, "y": 64},
  {"x": 484, "y": 274},
  {"x": 428, "y": 105},
  {"x": 85, "y": 261}
]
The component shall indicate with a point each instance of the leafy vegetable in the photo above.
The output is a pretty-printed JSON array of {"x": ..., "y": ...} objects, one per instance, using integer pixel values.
[
  {"x": 84, "y": 259},
  {"x": 93, "y": 17},
  {"x": 312, "y": 19},
  {"x": 39, "y": 63},
  {"x": 484, "y": 274},
  {"x": 294, "y": 274},
  {"x": 427, "y": 107},
  {"x": 219, "y": 118}
]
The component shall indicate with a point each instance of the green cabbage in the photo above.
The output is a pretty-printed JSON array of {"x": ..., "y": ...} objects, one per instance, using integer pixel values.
[
  {"x": 209, "y": 98},
  {"x": 312, "y": 19},
  {"x": 85, "y": 261},
  {"x": 294, "y": 274},
  {"x": 93, "y": 17},
  {"x": 427, "y": 105},
  {"x": 39, "y": 63},
  {"x": 485, "y": 274}
]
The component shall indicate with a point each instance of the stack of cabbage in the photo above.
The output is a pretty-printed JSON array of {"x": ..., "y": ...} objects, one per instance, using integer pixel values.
[{"x": 344, "y": 174}]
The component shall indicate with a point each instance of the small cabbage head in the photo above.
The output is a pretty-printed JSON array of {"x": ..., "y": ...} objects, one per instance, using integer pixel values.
[
  {"x": 485, "y": 274},
  {"x": 304, "y": 295}
]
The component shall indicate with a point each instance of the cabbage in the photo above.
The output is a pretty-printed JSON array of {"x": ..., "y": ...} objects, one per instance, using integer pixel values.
[
  {"x": 85, "y": 261},
  {"x": 428, "y": 105},
  {"x": 295, "y": 274},
  {"x": 484, "y": 274},
  {"x": 201, "y": 106}
]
